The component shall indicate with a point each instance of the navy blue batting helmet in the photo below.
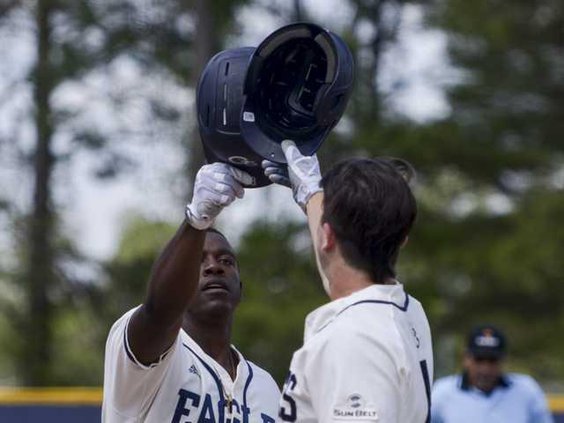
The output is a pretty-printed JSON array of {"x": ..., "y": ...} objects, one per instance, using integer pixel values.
[{"x": 294, "y": 85}]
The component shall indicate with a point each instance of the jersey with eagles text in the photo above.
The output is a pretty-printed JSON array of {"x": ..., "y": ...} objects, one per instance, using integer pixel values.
[{"x": 186, "y": 385}]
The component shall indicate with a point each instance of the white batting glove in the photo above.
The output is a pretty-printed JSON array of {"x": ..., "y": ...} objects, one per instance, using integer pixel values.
[
  {"x": 216, "y": 186},
  {"x": 302, "y": 173}
]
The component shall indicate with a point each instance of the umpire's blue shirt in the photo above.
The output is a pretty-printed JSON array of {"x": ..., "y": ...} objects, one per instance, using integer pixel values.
[{"x": 517, "y": 399}]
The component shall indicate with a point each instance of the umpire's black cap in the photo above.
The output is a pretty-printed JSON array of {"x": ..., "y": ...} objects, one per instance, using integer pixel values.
[{"x": 486, "y": 341}]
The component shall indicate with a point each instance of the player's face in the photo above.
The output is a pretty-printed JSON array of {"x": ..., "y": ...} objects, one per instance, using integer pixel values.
[
  {"x": 483, "y": 373},
  {"x": 219, "y": 288}
]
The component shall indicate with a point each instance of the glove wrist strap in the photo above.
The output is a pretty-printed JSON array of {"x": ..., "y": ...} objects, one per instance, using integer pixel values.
[{"x": 195, "y": 221}]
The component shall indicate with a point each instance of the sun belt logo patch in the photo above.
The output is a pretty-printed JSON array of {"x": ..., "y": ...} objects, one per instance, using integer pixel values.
[
  {"x": 355, "y": 408},
  {"x": 355, "y": 401}
]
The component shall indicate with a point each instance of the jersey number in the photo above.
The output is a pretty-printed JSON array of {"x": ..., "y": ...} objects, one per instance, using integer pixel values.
[
  {"x": 425, "y": 372},
  {"x": 288, "y": 410}
]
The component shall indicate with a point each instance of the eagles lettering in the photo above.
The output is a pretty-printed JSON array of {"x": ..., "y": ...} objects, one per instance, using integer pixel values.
[{"x": 188, "y": 406}]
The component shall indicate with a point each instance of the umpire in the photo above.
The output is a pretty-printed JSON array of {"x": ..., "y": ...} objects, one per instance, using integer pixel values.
[{"x": 483, "y": 393}]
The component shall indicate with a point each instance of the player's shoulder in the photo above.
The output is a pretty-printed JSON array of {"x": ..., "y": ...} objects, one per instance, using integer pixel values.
[
  {"x": 369, "y": 318},
  {"x": 365, "y": 313},
  {"x": 121, "y": 322},
  {"x": 363, "y": 330},
  {"x": 414, "y": 303},
  {"x": 261, "y": 376}
]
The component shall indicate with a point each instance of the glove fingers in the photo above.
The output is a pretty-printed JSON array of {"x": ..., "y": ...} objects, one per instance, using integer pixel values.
[
  {"x": 241, "y": 176},
  {"x": 271, "y": 170},
  {"x": 277, "y": 173},
  {"x": 220, "y": 193},
  {"x": 267, "y": 163},
  {"x": 288, "y": 147},
  {"x": 216, "y": 186},
  {"x": 222, "y": 183},
  {"x": 291, "y": 152},
  {"x": 300, "y": 165},
  {"x": 230, "y": 186}
]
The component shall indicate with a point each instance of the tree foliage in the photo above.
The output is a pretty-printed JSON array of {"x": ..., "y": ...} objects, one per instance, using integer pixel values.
[{"x": 506, "y": 158}]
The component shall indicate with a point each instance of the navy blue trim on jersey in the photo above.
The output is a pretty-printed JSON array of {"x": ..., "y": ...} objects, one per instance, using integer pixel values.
[
  {"x": 247, "y": 383},
  {"x": 402, "y": 308},
  {"x": 425, "y": 373},
  {"x": 211, "y": 371},
  {"x": 126, "y": 346},
  {"x": 132, "y": 357}
]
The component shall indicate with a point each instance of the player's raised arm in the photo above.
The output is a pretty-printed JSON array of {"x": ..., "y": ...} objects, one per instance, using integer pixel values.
[
  {"x": 302, "y": 174},
  {"x": 155, "y": 325}
]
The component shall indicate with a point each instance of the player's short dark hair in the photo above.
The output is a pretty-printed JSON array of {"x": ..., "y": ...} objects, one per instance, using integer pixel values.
[
  {"x": 371, "y": 208},
  {"x": 217, "y": 231}
]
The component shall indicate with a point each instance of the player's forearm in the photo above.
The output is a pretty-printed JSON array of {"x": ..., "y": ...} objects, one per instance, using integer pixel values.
[
  {"x": 154, "y": 326},
  {"x": 175, "y": 275},
  {"x": 314, "y": 211}
]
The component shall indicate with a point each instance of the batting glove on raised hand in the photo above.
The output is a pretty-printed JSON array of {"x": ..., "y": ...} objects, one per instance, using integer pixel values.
[
  {"x": 302, "y": 173},
  {"x": 216, "y": 186}
]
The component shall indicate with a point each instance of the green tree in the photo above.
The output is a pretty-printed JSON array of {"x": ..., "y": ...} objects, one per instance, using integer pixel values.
[
  {"x": 75, "y": 42},
  {"x": 492, "y": 183},
  {"x": 40, "y": 256},
  {"x": 280, "y": 286}
]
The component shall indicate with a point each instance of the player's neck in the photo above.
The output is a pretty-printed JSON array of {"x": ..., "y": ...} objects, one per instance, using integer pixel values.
[
  {"x": 216, "y": 342},
  {"x": 346, "y": 280},
  {"x": 213, "y": 336}
]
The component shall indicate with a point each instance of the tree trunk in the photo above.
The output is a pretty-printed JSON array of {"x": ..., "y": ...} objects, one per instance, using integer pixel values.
[
  {"x": 298, "y": 14},
  {"x": 206, "y": 44},
  {"x": 36, "y": 355}
]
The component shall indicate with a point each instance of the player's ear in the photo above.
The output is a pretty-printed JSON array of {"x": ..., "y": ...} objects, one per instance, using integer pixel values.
[
  {"x": 328, "y": 240},
  {"x": 404, "y": 242}
]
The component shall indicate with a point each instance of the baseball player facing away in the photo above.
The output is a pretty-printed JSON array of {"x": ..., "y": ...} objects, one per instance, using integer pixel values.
[
  {"x": 170, "y": 359},
  {"x": 367, "y": 354}
]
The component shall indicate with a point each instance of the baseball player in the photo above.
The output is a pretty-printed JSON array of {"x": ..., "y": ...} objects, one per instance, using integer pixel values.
[
  {"x": 367, "y": 354},
  {"x": 170, "y": 359}
]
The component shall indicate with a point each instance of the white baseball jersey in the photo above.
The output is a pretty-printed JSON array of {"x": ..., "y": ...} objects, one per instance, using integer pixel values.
[
  {"x": 186, "y": 385},
  {"x": 366, "y": 357}
]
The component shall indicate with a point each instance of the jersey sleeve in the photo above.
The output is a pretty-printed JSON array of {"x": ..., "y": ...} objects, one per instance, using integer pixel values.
[
  {"x": 129, "y": 386},
  {"x": 269, "y": 392},
  {"x": 353, "y": 378},
  {"x": 538, "y": 407}
]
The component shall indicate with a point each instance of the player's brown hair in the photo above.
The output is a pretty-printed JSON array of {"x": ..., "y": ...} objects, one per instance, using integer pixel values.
[{"x": 371, "y": 208}]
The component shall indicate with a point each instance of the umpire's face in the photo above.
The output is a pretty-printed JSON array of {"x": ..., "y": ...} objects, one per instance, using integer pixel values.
[
  {"x": 483, "y": 372},
  {"x": 219, "y": 289}
]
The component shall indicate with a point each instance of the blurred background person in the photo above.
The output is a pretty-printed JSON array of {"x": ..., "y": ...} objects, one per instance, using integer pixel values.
[{"x": 484, "y": 392}]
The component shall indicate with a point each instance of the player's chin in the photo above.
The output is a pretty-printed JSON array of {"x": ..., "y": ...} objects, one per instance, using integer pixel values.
[{"x": 218, "y": 304}]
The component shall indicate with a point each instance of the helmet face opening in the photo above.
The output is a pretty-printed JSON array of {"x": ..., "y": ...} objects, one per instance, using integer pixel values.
[
  {"x": 289, "y": 87},
  {"x": 297, "y": 87}
]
